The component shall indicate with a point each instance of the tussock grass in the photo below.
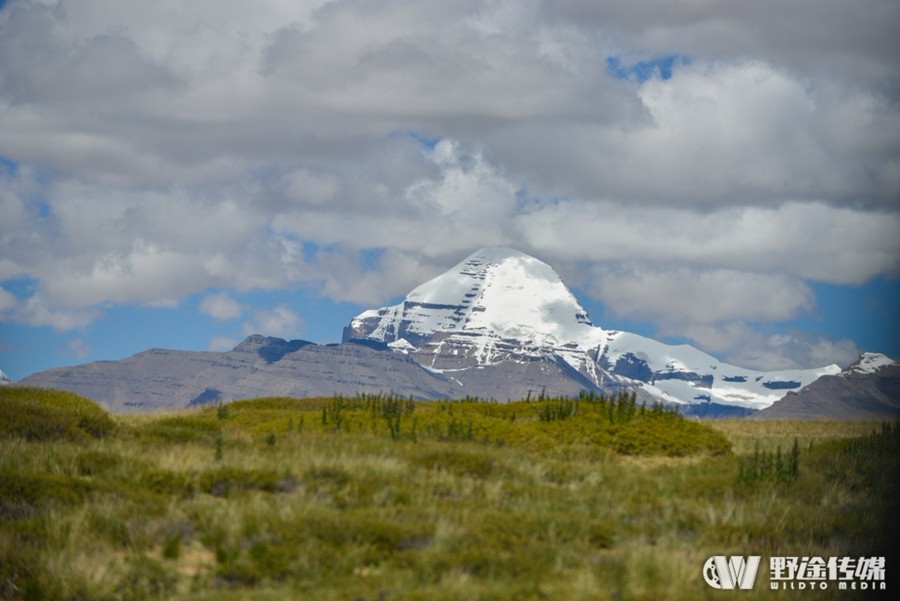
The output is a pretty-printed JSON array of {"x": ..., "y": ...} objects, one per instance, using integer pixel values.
[{"x": 381, "y": 498}]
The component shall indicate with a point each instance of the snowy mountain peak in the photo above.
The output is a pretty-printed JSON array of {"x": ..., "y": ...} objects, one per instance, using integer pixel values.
[
  {"x": 869, "y": 363},
  {"x": 497, "y": 292},
  {"x": 4, "y": 379},
  {"x": 500, "y": 305}
]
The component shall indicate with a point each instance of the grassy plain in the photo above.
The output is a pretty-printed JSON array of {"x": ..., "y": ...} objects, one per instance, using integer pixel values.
[{"x": 377, "y": 498}]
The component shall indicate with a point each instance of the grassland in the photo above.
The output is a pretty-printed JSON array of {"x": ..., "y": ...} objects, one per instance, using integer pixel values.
[{"x": 378, "y": 498}]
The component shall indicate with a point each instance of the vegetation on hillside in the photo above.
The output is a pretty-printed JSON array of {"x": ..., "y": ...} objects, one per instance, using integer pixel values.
[
  {"x": 40, "y": 414},
  {"x": 375, "y": 497}
]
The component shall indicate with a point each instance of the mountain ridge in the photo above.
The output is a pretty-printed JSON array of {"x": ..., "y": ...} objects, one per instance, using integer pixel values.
[
  {"x": 869, "y": 388},
  {"x": 498, "y": 325}
]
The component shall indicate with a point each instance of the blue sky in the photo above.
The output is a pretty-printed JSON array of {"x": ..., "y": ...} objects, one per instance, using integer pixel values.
[{"x": 720, "y": 175}]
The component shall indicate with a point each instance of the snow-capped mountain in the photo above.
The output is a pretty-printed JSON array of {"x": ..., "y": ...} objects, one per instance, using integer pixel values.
[
  {"x": 682, "y": 373},
  {"x": 496, "y": 304},
  {"x": 868, "y": 389},
  {"x": 4, "y": 379},
  {"x": 500, "y": 305}
]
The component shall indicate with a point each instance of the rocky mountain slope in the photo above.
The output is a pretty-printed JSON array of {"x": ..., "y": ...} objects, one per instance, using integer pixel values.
[
  {"x": 500, "y": 324},
  {"x": 258, "y": 366},
  {"x": 868, "y": 389}
]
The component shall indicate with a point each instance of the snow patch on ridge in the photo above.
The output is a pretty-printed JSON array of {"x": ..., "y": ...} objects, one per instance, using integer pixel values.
[
  {"x": 869, "y": 363},
  {"x": 684, "y": 372}
]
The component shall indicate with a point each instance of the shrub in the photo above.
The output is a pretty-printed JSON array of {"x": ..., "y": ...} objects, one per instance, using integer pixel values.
[
  {"x": 767, "y": 465},
  {"x": 185, "y": 428},
  {"x": 147, "y": 578},
  {"x": 557, "y": 409},
  {"x": 165, "y": 482},
  {"x": 461, "y": 463},
  {"x": 221, "y": 482},
  {"x": 42, "y": 414},
  {"x": 21, "y": 491},
  {"x": 95, "y": 463}
]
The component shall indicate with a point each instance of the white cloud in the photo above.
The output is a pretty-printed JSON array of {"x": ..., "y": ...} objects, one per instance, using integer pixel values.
[
  {"x": 794, "y": 350},
  {"x": 307, "y": 187},
  {"x": 719, "y": 134},
  {"x": 7, "y": 300},
  {"x": 280, "y": 321},
  {"x": 682, "y": 295},
  {"x": 721, "y": 311},
  {"x": 810, "y": 240},
  {"x": 34, "y": 311},
  {"x": 849, "y": 41},
  {"x": 162, "y": 149},
  {"x": 221, "y": 306}
]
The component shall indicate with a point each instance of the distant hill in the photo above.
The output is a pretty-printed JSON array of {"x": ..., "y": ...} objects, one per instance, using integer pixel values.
[
  {"x": 258, "y": 366},
  {"x": 870, "y": 388}
]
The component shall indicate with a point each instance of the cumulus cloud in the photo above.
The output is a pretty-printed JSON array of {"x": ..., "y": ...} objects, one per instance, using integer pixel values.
[
  {"x": 721, "y": 311},
  {"x": 7, "y": 300},
  {"x": 221, "y": 306},
  {"x": 694, "y": 296},
  {"x": 149, "y": 151},
  {"x": 36, "y": 311},
  {"x": 810, "y": 240},
  {"x": 746, "y": 345},
  {"x": 281, "y": 321}
]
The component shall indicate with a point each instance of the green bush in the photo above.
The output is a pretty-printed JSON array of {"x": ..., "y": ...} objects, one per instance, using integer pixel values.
[
  {"x": 94, "y": 463},
  {"x": 148, "y": 578},
  {"x": 767, "y": 465},
  {"x": 668, "y": 434},
  {"x": 223, "y": 481},
  {"x": 29, "y": 490},
  {"x": 185, "y": 428},
  {"x": 42, "y": 414},
  {"x": 461, "y": 463},
  {"x": 165, "y": 482}
]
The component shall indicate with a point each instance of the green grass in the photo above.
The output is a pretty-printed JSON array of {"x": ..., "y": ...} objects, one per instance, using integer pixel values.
[
  {"x": 39, "y": 414},
  {"x": 382, "y": 498}
]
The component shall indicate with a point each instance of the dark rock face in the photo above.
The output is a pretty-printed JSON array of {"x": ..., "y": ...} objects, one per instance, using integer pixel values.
[
  {"x": 847, "y": 396},
  {"x": 633, "y": 367},
  {"x": 781, "y": 385},
  {"x": 268, "y": 348},
  {"x": 704, "y": 381},
  {"x": 734, "y": 378}
]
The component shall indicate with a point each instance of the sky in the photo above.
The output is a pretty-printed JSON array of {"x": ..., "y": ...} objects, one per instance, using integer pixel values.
[{"x": 184, "y": 174}]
